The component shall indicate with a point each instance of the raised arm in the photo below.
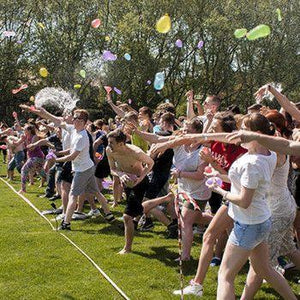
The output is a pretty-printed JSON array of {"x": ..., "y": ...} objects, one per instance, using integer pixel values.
[
  {"x": 190, "y": 113},
  {"x": 41, "y": 112},
  {"x": 286, "y": 104},
  {"x": 114, "y": 107}
]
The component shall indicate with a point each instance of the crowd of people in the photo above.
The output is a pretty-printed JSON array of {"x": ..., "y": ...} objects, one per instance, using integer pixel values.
[{"x": 234, "y": 176}]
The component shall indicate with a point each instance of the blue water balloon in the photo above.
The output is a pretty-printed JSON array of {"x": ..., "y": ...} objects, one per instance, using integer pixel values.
[{"x": 159, "y": 81}]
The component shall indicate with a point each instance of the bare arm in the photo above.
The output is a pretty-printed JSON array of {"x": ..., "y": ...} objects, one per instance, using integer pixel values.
[
  {"x": 190, "y": 114},
  {"x": 196, "y": 175},
  {"x": 243, "y": 200},
  {"x": 148, "y": 165},
  {"x": 68, "y": 157},
  {"x": 274, "y": 143},
  {"x": 115, "y": 108}
]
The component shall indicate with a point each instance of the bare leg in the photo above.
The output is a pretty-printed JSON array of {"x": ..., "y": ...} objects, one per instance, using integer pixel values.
[
  {"x": 129, "y": 232},
  {"x": 71, "y": 208},
  {"x": 65, "y": 190},
  {"x": 297, "y": 227},
  {"x": 252, "y": 285},
  {"x": 103, "y": 203},
  {"x": 150, "y": 204},
  {"x": 117, "y": 190},
  {"x": 221, "y": 243},
  {"x": 260, "y": 263},
  {"x": 219, "y": 223},
  {"x": 233, "y": 260},
  {"x": 81, "y": 200}
]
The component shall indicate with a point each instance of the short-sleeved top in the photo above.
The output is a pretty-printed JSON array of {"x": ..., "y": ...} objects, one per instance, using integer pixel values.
[
  {"x": 225, "y": 155},
  {"x": 189, "y": 162},
  {"x": 253, "y": 171},
  {"x": 34, "y": 152},
  {"x": 80, "y": 142},
  {"x": 139, "y": 142}
]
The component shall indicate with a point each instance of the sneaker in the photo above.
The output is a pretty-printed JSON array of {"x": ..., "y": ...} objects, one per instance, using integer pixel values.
[
  {"x": 60, "y": 217},
  {"x": 55, "y": 197},
  {"x": 172, "y": 230},
  {"x": 109, "y": 217},
  {"x": 94, "y": 212},
  {"x": 142, "y": 220},
  {"x": 148, "y": 225},
  {"x": 56, "y": 211},
  {"x": 216, "y": 261},
  {"x": 289, "y": 266},
  {"x": 64, "y": 226},
  {"x": 192, "y": 289},
  {"x": 46, "y": 196},
  {"x": 79, "y": 216}
]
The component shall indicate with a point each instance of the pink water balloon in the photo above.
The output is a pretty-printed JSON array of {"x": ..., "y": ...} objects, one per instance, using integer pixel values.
[
  {"x": 108, "y": 89},
  {"x": 200, "y": 44},
  {"x": 179, "y": 43},
  {"x": 96, "y": 23}
]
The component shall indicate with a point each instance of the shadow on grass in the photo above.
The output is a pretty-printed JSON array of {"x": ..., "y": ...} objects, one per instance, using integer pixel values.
[{"x": 67, "y": 296}]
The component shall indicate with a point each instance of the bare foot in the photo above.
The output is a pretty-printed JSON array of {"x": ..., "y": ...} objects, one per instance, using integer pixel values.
[
  {"x": 21, "y": 192},
  {"x": 124, "y": 251}
]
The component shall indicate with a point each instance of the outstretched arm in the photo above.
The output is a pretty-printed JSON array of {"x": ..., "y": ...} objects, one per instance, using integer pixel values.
[{"x": 114, "y": 107}]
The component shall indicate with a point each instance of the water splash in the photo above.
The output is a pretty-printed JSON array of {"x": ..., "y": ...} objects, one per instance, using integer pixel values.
[{"x": 56, "y": 97}]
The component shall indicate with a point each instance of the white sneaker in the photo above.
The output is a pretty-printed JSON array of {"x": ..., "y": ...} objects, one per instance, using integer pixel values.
[
  {"x": 192, "y": 289},
  {"x": 94, "y": 212},
  {"x": 60, "y": 217},
  {"x": 79, "y": 216}
]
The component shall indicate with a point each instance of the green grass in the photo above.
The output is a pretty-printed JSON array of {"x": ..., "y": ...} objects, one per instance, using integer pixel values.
[{"x": 38, "y": 263}]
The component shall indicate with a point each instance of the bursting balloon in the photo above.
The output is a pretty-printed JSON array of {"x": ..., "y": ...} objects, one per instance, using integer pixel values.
[{"x": 159, "y": 81}]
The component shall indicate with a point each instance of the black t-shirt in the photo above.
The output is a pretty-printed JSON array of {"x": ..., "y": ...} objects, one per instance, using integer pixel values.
[
  {"x": 54, "y": 139},
  {"x": 163, "y": 163}
]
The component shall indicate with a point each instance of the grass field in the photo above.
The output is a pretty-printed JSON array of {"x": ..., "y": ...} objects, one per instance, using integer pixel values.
[{"x": 38, "y": 263}]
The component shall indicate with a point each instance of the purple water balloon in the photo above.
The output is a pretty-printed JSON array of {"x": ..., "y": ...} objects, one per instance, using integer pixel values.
[
  {"x": 178, "y": 43},
  {"x": 200, "y": 44},
  {"x": 107, "y": 55},
  {"x": 210, "y": 182},
  {"x": 117, "y": 91},
  {"x": 148, "y": 82}
]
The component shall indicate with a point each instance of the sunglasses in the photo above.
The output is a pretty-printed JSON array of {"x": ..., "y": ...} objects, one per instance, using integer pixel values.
[{"x": 77, "y": 118}]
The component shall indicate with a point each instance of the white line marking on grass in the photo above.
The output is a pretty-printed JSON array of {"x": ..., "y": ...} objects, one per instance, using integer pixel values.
[{"x": 69, "y": 240}]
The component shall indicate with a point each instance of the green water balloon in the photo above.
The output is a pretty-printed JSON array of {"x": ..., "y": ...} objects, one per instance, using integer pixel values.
[{"x": 259, "y": 31}]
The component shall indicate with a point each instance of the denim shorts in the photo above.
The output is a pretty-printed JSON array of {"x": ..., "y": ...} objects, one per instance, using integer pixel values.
[{"x": 248, "y": 236}]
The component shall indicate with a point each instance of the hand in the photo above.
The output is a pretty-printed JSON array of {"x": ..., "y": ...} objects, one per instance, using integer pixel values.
[
  {"x": 158, "y": 149},
  {"x": 189, "y": 95},
  {"x": 206, "y": 156},
  {"x": 30, "y": 146},
  {"x": 175, "y": 173},
  {"x": 218, "y": 190},
  {"x": 130, "y": 127},
  {"x": 261, "y": 92},
  {"x": 209, "y": 115}
]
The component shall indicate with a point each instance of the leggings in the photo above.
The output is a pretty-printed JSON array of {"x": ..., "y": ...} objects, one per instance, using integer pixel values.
[{"x": 34, "y": 164}]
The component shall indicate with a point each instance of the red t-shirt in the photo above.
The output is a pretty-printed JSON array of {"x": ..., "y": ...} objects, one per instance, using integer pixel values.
[{"x": 225, "y": 155}]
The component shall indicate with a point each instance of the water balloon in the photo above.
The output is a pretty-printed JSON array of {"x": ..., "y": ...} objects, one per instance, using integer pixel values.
[
  {"x": 107, "y": 38},
  {"x": 43, "y": 72},
  {"x": 9, "y": 33},
  {"x": 200, "y": 44},
  {"x": 107, "y": 89},
  {"x": 107, "y": 55},
  {"x": 127, "y": 56},
  {"x": 82, "y": 73},
  {"x": 259, "y": 31},
  {"x": 213, "y": 181},
  {"x": 96, "y": 23},
  {"x": 239, "y": 33},
  {"x": 41, "y": 25},
  {"x": 149, "y": 82},
  {"x": 22, "y": 87},
  {"x": 77, "y": 86},
  {"x": 31, "y": 98},
  {"x": 178, "y": 43},
  {"x": 208, "y": 170},
  {"x": 129, "y": 101},
  {"x": 163, "y": 25},
  {"x": 159, "y": 81},
  {"x": 279, "y": 16},
  {"x": 117, "y": 91},
  {"x": 14, "y": 114}
]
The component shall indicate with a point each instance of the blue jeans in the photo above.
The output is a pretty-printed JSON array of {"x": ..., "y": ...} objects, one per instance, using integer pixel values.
[
  {"x": 248, "y": 236},
  {"x": 17, "y": 161}
]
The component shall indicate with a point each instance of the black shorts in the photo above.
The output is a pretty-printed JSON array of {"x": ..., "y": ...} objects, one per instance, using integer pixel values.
[
  {"x": 66, "y": 173},
  {"x": 102, "y": 168},
  {"x": 134, "y": 198},
  {"x": 157, "y": 182},
  {"x": 215, "y": 202}
]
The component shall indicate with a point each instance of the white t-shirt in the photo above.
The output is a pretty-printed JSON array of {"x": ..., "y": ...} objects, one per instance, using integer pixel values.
[
  {"x": 253, "y": 171},
  {"x": 189, "y": 162},
  {"x": 80, "y": 142}
]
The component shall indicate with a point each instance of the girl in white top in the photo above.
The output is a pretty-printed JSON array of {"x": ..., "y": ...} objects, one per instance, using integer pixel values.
[{"x": 250, "y": 176}]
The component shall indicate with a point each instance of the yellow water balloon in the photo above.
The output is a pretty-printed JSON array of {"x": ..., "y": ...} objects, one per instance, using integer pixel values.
[
  {"x": 31, "y": 98},
  {"x": 43, "y": 72},
  {"x": 77, "y": 86},
  {"x": 107, "y": 38},
  {"x": 163, "y": 25}
]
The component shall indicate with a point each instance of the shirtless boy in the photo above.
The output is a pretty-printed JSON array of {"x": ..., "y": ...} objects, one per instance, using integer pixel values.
[{"x": 131, "y": 165}]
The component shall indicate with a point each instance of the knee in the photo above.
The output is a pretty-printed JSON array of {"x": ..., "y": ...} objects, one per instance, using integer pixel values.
[
  {"x": 225, "y": 275},
  {"x": 209, "y": 237},
  {"x": 127, "y": 219}
]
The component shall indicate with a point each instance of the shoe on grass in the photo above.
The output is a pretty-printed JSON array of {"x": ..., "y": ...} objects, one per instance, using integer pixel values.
[
  {"x": 216, "y": 261},
  {"x": 79, "y": 216},
  {"x": 94, "y": 212},
  {"x": 64, "y": 226},
  {"x": 109, "y": 217},
  {"x": 192, "y": 289},
  {"x": 148, "y": 225},
  {"x": 55, "y": 197}
]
